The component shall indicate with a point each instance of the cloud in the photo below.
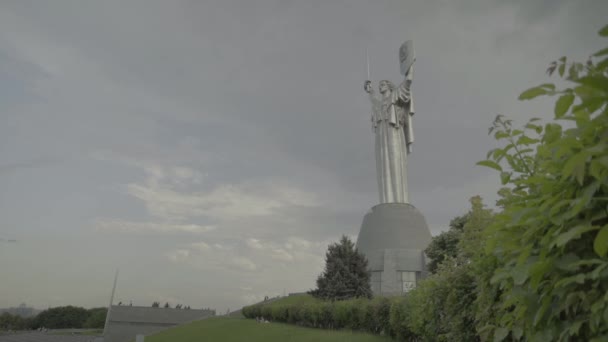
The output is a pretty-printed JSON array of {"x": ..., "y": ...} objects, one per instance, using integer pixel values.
[
  {"x": 297, "y": 243},
  {"x": 123, "y": 226},
  {"x": 254, "y": 243},
  {"x": 222, "y": 202},
  {"x": 281, "y": 254},
  {"x": 179, "y": 255},
  {"x": 202, "y": 246},
  {"x": 243, "y": 263},
  {"x": 202, "y": 255},
  {"x": 250, "y": 254}
]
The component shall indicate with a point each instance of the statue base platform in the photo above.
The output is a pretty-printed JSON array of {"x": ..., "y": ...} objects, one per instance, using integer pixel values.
[{"x": 393, "y": 237}]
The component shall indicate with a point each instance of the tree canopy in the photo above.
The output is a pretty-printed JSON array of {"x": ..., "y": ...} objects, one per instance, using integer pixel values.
[
  {"x": 445, "y": 245},
  {"x": 346, "y": 275}
]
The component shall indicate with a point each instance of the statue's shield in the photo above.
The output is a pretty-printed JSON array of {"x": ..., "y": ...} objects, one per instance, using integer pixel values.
[{"x": 406, "y": 56}]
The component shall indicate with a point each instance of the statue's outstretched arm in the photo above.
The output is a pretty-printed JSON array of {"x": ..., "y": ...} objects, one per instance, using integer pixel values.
[{"x": 403, "y": 91}]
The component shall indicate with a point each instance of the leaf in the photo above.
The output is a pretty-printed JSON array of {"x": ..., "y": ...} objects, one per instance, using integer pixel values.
[
  {"x": 548, "y": 86},
  {"x": 596, "y": 82},
  {"x": 498, "y": 154},
  {"x": 573, "y": 72},
  {"x": 597, "y": 149},
  {"x": 520, "y": 274},
  {"x": 600, "y": 244},
  {"x": 518, "y": 333},
  {"x": 525, "y": 140},
  {"x": 500, "y": 135},
  {"x": 602, "y": 52},
  {"x": 593, "y": 104},
  {"x": 491, "y": 152},
  {"x": 579, "y": 279},
  {"x": 537, "y": 128},
  {"x": 532, "y": 93},
  {"x": 541, "y": 312},
  {"x": 505, "y": 177},
  {"x": 572, "y": 234},
  {"x": 500, "y": 334},
  {"x": 575, "y": 166},
  {"x": 561, "y": 70},
  {"x": 604, "y": 31},
  {"x": 565, "y": 262},
  {"x": 583, "y": 200},
  {"x": 581, "y": 114},
  {"x": 595, "y": 169},
  {"x": 563, "y": 104},
  {"x": 537, "y": 272},
  {"x": 490, "y": 164},
  {"x": 552, "y": 132},
  {"x": 499, "y": 276},
  {"x": 575, "y": 327},
  {"x": 603, "y": 64}
]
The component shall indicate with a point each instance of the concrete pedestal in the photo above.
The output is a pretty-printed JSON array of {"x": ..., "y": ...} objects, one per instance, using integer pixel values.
[{"x": 393, "y": 237}]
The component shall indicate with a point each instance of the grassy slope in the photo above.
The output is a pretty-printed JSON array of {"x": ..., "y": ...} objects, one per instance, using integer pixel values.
[
  {"x": 297, "y": 299},
  {"x": 228, "y": 329}
]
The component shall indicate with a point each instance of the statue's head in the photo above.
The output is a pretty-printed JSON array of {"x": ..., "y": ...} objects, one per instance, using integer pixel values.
[{"x": 386, "y": 86}]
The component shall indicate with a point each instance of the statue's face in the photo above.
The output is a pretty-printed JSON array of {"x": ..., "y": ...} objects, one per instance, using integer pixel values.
[{"x": 383, "y": 87}]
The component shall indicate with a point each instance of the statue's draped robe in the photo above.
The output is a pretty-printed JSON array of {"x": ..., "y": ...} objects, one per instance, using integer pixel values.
[{"x": 391, "y": 118}]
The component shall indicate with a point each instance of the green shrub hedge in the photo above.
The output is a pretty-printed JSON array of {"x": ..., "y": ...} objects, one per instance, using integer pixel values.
[{"x": 381, "y": 315}]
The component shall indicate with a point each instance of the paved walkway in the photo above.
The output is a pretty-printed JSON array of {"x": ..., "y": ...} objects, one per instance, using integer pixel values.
[{"x": 44, "y": 337}]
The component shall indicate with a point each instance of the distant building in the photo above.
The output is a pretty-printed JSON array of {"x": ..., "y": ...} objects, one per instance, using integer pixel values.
[{"x": 126, "y": 322}]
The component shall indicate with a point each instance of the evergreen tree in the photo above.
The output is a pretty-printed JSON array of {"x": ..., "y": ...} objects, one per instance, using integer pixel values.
[
  {"x": 346, "y": 275},
  {"x": 445, "y": 245}
]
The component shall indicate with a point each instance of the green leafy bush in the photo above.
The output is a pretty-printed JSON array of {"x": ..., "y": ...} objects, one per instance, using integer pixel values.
[
  {"x": 96, "y": 318},
  {"x": 551, "y": 238},
  {"x": 62, "y": 317},
  {"x": 399, "y": 318},
  {"x": 15, "y": 322},
  {"x": 370, "y": 315}
]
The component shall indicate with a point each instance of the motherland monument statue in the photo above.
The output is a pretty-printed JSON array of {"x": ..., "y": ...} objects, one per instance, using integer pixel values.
[{"x": 394, "y": 233}]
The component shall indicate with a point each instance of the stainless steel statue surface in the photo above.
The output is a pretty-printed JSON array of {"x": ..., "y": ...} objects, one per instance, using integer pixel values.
[{"x": 392, "y": 113}]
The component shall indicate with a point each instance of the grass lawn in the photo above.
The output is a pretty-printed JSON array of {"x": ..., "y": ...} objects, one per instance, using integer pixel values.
[{"x": 229, "y": 329}]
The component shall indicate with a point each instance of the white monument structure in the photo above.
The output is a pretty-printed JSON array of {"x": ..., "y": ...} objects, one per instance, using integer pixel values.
[{"x": 394, "y": 233}]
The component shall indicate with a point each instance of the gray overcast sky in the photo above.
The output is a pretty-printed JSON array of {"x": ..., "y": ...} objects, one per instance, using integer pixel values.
[{"x": 212, "y": 150}]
